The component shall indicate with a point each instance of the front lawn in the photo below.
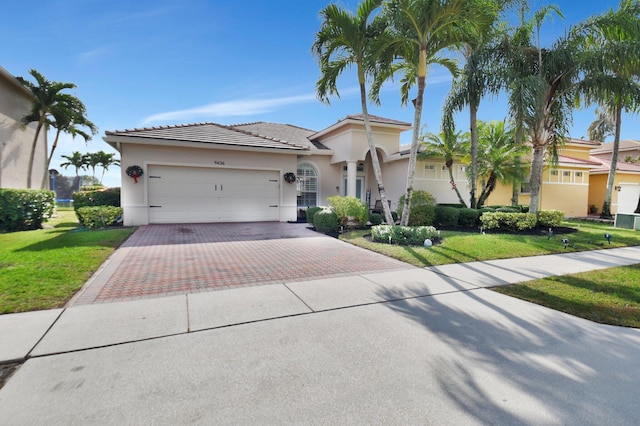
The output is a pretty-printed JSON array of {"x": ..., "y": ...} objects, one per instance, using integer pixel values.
[
  {"x": 43, "y": 269},
  {"x": 460, "y": 247},
  {"x": 608, "y": 296}
]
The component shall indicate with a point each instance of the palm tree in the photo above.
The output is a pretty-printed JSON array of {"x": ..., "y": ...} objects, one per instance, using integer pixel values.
[
  {"x": 422, "y": 31},
  {"x": 541, "y": 84},
  {"x": 603, "y": 126},
  {"x": 46, "y": 95},
  {"x": 498, "y": 157},
  {"x": 68, "y": 117},
  {"x": 92, "y": 160},
  {"x": 476, "y": 79},
  {"x": 447, "y": 145},
  {"x": 345, "y": 39},
  {"x": 76, "y": 160},
  {"x": 612, "y": 77},
  {"x": 105, "y": 161}
]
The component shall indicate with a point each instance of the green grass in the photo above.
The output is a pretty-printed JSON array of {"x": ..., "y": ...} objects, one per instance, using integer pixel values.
[
  {"x": 608, "y": 296},
  {"x": 460, "y": 247},
  {"x": 43, "y": 269}
]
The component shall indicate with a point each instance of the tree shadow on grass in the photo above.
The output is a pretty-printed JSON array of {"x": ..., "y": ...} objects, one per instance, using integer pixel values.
[
  {"x": 82, "y": 237},
  {"x": 510, "y": 362}
]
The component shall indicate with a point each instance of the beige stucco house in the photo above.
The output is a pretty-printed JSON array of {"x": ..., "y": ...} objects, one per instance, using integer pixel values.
[
  {"x": 15, "y": 140},
  {"x": 209, "y": 172}
]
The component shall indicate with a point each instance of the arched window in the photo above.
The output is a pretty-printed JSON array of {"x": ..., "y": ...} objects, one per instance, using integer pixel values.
[{"x": 307, "y": 185}]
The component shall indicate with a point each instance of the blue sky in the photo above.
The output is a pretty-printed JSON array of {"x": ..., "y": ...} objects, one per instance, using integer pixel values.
[{"x": 150, "y": 63}]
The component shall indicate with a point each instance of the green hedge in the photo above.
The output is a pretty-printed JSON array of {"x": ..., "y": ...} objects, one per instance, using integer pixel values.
[
  {"x": 326, "y": 221},
  {"x": 423, "y": 208},
  {"x": 403, "y": 235},
  {"x": 375, "y": 219},
  {"x": 469, "y": 218},
  {"x": 447, "y": 216},
  {"x": 311, "y": 211},
  {"x": 550, "y": 218},
  {"x": 102, "y": 197},
  {"x": 508, "y": 221},
  {"x": 25, "y": 209},
  {"x": 98, "y": 216}
]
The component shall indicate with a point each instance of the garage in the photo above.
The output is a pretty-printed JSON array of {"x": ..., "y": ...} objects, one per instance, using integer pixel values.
[{"x": 180, "y": 194}]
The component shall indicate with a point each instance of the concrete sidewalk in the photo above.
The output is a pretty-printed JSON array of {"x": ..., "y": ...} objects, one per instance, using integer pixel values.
[{"x": 408, "y": 346}]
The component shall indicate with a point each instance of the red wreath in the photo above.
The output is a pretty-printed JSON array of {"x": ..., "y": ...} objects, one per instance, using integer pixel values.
[{"x": 135, "y": 172}]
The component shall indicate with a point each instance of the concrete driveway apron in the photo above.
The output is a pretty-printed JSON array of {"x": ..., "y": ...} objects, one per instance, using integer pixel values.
[{"x": 160, "y": 260}]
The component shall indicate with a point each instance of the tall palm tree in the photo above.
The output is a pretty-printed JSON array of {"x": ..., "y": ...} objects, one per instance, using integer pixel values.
[
  {"x": 498, "y": 156},
  {"x": 106, "y": 159},
  {"x": 612, "y": 75},
  {"x": 345, "y": 39},
  {"x": 423, "y": 31},
  {"x": 449, "y": 146},
  {"x": 476, "y": 79},
  {"x": 76, "y": 160},
  {"x": 603, "y": 125},
  {"x": 46, "y": 94},
  {"x": 541, "y": 85},
  {"x": 69, "y": 116}
]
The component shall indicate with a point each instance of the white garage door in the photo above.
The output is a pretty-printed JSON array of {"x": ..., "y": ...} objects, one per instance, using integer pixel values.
[
  {"x": 199, "y": 194},
  {"x": 628, "y": 197}
]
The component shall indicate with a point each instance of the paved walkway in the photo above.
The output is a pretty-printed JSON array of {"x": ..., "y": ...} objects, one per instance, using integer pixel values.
[
  {"x": 162, "y": 260},
  {"x": 403, "y": 346}
]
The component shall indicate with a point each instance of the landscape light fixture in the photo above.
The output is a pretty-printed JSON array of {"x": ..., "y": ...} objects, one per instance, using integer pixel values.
[
  {"x": 608, "y": 238},
  {"x": 565, "y": 241}
]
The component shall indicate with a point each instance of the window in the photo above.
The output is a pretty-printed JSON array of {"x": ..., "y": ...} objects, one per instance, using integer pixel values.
[
  {"x": 307, "y": 185},
  {"x": 429, "y": 171}
]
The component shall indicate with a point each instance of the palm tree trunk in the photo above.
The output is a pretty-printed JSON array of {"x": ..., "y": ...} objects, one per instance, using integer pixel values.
[
  {"x": 473, "y": 127},
  {"x": 413, "y": 153},
  {"x": 606, "y": 206},
  {"x": 32, "y": 154},
  {"x": 455, "y": 187},
  {"x": 515, "y": 189},
  {"x": 536, "y": 177},
  {"x": 53, "y": 148},
  {"x": 487, "y": 190},
  {"x": 377, "y": 171}
]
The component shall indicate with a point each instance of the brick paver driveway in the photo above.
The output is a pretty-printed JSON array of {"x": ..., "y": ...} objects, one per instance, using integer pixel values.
[{"x": 178, "y": 259}]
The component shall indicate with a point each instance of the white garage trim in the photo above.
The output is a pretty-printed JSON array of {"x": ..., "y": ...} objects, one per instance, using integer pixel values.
[{"x": 199, "y": 194}]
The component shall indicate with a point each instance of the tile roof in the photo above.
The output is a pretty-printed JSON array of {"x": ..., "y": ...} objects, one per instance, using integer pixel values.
[
  {"x": 565, "y": 159},
  {"x": 621, "y": 166},
  {"x": 286, "y": 132},
  {"x": 625, "y": 144},
  {"x": 377, "y": 119},
  {"x": 211, "y": 133}
]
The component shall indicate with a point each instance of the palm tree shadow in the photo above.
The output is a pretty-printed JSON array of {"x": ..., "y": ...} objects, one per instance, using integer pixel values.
[{"x": 501, "y": 357}]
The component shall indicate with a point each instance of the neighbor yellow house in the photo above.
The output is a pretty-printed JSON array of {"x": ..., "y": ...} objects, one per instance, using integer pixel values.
[{"x": 565, "y": 185}]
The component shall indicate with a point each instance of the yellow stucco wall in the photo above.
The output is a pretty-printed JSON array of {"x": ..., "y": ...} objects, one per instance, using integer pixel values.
[{"x": 598, "y": 188}]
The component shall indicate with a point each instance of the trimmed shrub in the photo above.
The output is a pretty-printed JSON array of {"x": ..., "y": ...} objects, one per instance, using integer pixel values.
[
  {"x": 423, "y": 208},
  {"x": 508, "y": 221},
  {"x": 550, "y": 218},
  {"x": 25, "y": 209},
  {"x": 326, "y": 221},
  {"x": 394, "y": 216},
  {"x": 469, "y": 218},
  {"x": 102, "y": 197},
  {"x": 403, "y": 235},
  {"x": 311, "y": 211},
  {"x": 350, "y": 210},
  {"x": 375, "y": 219},
  {"x": 447, "y": 216},
  {"x": 509, "y": 209},
  {"x": 98, "y": 216}
]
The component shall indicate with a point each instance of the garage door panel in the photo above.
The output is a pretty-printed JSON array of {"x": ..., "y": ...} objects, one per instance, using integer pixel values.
[{"x": 196, "y": 194}]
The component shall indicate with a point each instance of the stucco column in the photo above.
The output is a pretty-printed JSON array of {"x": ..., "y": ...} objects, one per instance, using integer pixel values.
[{"x": 352, "y": 168}]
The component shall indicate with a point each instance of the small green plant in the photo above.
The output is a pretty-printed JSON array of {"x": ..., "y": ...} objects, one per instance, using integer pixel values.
[
  {"x": 509, "y": 221},
  {"x": 98, "y": 216},
  {"x": 402, "y": 235},
  {"x": 101, "y": 197},
  {"x": 326, "y": 221},
  {"x": 311, "y": 211},
  {"x": 25, "y": 209},
  {"x": 375, "y": 219},
  {"x": 550, "y": 218},
  {"x": 350, "y": 210}
]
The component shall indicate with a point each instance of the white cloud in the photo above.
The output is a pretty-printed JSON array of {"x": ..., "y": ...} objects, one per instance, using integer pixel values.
[{"x": 229, "y": 109}]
